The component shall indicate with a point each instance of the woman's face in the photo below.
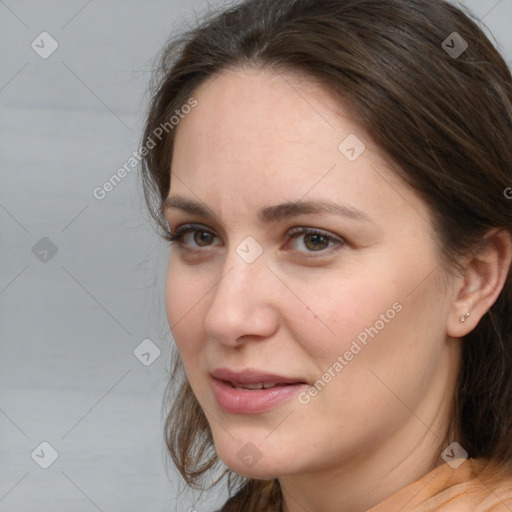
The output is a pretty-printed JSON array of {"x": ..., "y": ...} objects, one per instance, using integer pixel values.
[{"x": 309, "y": 259}]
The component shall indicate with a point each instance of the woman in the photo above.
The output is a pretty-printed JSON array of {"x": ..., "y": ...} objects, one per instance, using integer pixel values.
[{"x": 333, "y": 177}]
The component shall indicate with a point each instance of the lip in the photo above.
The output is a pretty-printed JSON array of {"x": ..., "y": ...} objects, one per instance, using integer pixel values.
[
  {"x": 251, "y": 376},
  {"x": 245, "y": 401}
]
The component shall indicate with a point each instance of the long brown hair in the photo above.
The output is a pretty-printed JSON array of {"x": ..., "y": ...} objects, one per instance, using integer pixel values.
[{"x": 442, "y": 113}]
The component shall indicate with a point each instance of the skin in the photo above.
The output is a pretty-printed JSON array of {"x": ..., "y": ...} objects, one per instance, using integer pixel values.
[{"x": 259, "y": 138}]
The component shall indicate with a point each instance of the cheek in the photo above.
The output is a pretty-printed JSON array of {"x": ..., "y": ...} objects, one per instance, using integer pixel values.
[
  {"x": 370, "y": 322},
  {"x": 334, "y": 312},
  {"x": 183, "y": 296},
  {"x": 386, "y": 340}
]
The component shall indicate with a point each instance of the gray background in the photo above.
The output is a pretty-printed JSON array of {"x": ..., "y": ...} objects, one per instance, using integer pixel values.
[{"x": 71, "y": 321}]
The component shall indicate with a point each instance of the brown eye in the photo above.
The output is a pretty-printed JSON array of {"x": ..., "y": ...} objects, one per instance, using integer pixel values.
[
  {"x": 311, "y": 240},
  {"x": 315, "y": 242},
  {"x": 193, "y": 237},
  {"x": 203, "y": 238}
]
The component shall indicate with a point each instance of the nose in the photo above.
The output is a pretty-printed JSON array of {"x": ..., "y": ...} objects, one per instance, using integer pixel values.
[{"x": 243, "y": 303}]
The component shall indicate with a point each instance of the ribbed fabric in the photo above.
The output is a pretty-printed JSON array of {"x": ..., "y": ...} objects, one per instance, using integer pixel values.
[{"x": 475, "y": 486}]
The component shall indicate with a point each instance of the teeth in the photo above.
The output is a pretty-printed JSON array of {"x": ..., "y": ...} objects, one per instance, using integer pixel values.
[
  {"x": 251, "y": 386},
  {"x": 259, "y": 385}
]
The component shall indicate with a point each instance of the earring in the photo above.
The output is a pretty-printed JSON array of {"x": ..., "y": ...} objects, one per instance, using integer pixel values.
[{"x": 463, "y": 317}]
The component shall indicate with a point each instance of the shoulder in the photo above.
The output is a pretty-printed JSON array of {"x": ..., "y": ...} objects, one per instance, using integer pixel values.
[
  {"x": 476, "y": 485},
  {"x": 493, "y": 488}
]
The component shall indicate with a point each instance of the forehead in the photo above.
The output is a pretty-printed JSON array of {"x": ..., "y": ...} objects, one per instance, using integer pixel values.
[
  {"x": 266, "y": 137},
  {"x": 251, "y": 110}
]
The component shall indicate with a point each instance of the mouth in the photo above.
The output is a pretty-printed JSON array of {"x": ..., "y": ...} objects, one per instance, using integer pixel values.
[
  {"x": 253, "y": 379},
  {"x": 252, "y": 391},
  {"x": 258, "y": 385}
]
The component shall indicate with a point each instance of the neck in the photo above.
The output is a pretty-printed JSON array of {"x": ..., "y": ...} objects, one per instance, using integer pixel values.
[{"x": 367, "y": 479}]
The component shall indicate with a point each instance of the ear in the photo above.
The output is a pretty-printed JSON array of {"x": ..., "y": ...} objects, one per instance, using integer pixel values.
[{"x": 485, "y": 274}]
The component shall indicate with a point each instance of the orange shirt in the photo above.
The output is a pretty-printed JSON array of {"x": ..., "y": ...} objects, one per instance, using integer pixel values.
[{"x": 475, "y": 486}]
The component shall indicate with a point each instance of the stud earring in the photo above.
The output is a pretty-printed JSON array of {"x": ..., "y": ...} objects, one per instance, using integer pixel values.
[{"x": 463, "y": 317}]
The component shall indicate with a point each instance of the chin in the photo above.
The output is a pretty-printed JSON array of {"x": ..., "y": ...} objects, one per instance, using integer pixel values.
[
  {"x": 259, "y": 471},
  {"x": 252, "y": 460}
]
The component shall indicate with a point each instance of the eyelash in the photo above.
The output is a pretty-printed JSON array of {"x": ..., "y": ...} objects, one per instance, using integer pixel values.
[{"x": 177, "y": 237}]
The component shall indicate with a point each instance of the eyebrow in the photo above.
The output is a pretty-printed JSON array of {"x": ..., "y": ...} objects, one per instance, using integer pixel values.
[{"x": 270, "y": 214}]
